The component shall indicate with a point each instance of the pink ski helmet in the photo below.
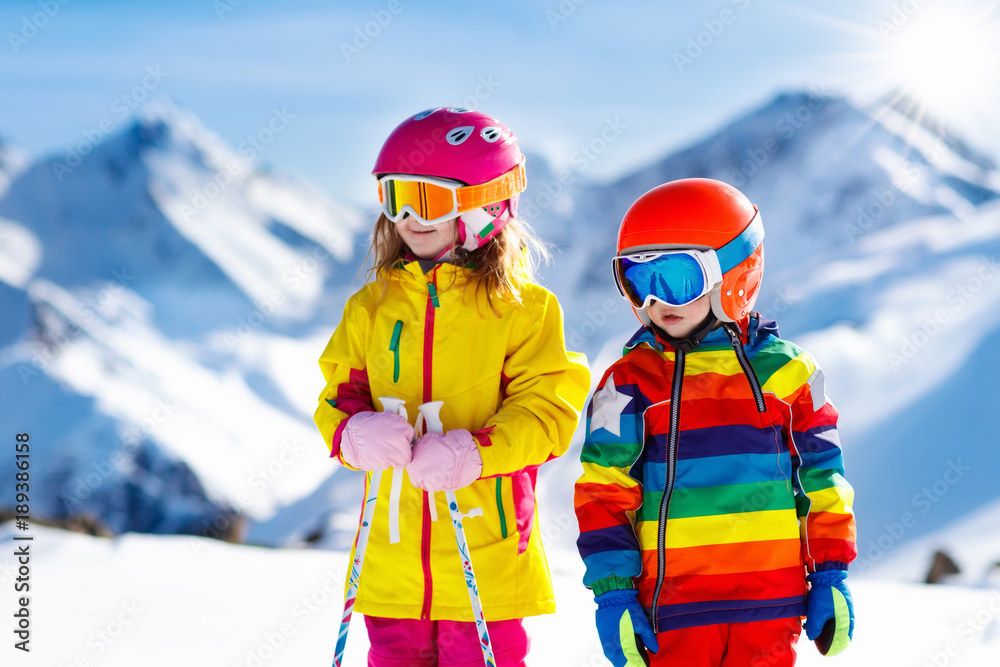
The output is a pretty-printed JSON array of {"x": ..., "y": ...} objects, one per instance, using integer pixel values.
[{"x": 464, "y": 146}]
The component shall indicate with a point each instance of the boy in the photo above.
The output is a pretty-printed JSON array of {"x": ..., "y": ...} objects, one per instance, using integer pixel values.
[{"x": 713, "y": 509}]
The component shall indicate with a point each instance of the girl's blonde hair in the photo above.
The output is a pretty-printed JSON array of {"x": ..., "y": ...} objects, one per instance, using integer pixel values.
[{"x": 501, "y": 266}]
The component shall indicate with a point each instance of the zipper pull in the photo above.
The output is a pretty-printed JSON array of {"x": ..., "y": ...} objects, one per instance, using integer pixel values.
[
  {"x": 433, "y": 294},
  {"x": 748, "y": 370},
  {"x": 394, "y": 348}
]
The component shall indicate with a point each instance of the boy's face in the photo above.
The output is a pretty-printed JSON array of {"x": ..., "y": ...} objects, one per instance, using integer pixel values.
[
  {"x": 426, "y": 241},
  {"x": 680, "y": 321}
]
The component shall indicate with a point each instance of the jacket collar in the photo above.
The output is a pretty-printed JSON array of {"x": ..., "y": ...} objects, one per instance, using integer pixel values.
[
  {"x": 413, "y": 270},
  {"x": 753, "y": 329}
]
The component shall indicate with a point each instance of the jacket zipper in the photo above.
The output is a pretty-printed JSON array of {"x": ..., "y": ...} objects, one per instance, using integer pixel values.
[
  {"x": 425, "y": 533},
  {"x": 748, "y": 371},
  {"x": 503, "y": 517},
  {"x": 668, "y": 488}
]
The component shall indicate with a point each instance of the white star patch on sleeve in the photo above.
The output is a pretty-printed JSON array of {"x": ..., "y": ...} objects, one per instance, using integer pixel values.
[{"x": 608, "y": 404}]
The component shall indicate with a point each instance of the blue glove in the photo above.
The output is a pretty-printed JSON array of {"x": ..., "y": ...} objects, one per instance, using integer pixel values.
[
  {"x": 624, "y": 628},
  {"x": 829, "y": 611}
]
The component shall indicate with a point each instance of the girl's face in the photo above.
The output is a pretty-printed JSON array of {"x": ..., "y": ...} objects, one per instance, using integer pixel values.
[
  {"x": 680, "y": 321},
  {"x": 426, "y": 241}
]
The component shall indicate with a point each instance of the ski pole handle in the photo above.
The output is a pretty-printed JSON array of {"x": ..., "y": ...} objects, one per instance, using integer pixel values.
[
  {"x": 430, "y": 413},
  {"x": 397, "y": 406}
]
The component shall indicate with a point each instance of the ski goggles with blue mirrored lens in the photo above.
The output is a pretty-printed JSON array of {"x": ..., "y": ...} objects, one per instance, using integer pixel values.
[{"x": 675, "y": 277}]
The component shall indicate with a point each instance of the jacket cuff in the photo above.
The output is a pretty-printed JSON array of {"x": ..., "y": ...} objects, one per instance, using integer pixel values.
[
  {"x": 612, "y": 583},
  {"x": 493, "y": 466},
  {"x": 830, "y": 565},
  {"x": 335, "y": 452}
]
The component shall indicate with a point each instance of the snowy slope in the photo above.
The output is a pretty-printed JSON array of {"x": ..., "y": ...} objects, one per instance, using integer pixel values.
[
  {"x": 163, "y": 601},
  {"x": 160, "y": 297}
]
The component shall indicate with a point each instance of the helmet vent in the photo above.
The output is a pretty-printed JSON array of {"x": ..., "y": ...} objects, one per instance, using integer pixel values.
[
  {"x": 458, "y": 110},
  {"x": 491, "y": 134},
  {"x": 425, "y": 114},
  {"x": 459, "y": 134}
]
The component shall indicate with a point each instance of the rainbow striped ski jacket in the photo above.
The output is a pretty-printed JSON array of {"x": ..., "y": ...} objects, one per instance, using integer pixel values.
[{"x": 713, "y": 479}]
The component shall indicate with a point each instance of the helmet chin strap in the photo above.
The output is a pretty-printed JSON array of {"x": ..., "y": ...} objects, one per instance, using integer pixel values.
[{"x": 693, "y": 339}]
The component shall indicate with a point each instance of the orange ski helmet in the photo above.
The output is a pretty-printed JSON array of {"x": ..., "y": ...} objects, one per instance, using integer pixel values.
[{"x": 700, "y": 214}]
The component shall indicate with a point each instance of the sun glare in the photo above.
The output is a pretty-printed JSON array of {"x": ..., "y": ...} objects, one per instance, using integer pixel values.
[{"x": 945, "y": 57}]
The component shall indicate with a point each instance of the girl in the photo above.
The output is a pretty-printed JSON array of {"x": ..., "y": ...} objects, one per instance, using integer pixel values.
[{"x": 452, "y": 315}]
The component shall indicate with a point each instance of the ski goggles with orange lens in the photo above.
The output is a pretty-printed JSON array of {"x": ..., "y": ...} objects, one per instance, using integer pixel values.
[
  {"x": 433, "y": 200},
  {"x": 675, "y": 277}
]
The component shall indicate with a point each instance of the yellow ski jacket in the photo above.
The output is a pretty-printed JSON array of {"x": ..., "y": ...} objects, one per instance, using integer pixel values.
[{"x": 503, "y": 373}]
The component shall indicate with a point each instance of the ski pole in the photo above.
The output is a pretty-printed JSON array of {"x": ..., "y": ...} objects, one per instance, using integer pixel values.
[
  {"x": 430, "y": 412},
  {"x": 389, "y": 405}
]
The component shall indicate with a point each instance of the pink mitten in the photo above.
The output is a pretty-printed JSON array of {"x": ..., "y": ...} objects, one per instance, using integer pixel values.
[
  {"x": 376, "y": 440},
  {"x": 445, "y": 461}
]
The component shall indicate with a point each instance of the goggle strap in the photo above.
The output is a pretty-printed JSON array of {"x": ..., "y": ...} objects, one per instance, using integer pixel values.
[
  {"x": 500, "y": 188},
  {"x": 736, "y": 251}
]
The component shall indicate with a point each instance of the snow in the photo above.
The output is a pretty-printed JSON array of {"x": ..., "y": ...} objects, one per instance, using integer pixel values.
[
  {"x": 245, "y": 450},
  {"x": 20, "y": 253},
  {"x": 169, "y": 600}
]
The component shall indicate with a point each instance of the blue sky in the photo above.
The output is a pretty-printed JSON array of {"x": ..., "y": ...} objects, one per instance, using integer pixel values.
[{"x": 555, "y": 71}]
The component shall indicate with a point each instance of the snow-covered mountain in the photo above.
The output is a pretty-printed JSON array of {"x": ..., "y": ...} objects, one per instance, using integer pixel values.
[
  {"x": 883, "y": 234},
  {"x": 162, "y": 320},
  {"x": 159, "y": 298},
  {"x": 824, "y": 171},
  {"x": 168, "y": 211},
  {"x": 11, "y": 162}
]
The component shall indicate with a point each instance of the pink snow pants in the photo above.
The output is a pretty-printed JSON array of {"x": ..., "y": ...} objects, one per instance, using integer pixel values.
[{"x": 406, "y": 642}]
